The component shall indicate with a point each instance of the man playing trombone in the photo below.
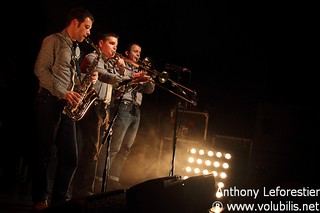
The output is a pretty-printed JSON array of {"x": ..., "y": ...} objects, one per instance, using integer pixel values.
[{"x": 126, "y": 124}]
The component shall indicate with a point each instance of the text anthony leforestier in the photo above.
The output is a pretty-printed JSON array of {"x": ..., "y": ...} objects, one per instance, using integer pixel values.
[{"x": 275, "y": 192}]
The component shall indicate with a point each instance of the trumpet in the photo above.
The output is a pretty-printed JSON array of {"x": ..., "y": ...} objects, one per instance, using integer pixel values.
[
  {"x": 112, "y": 61},
  {"x": 163, "y": 77}
]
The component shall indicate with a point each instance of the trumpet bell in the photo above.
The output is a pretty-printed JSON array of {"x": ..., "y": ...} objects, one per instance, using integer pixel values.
[{"x": 163, "y": 77}]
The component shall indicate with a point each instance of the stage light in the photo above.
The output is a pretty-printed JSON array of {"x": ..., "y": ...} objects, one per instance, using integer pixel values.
[
  {"x": 219, "y": 154},
  {"x": 201, "y": 152},
  {"x": 225, "y": 165},
  {"x": 223, "y": 175},
  {"x": 188, "y": 169},
  {"x": 227, "y": 156},
  {"x": 219, "y": 194},
  {"x": 199, "y": 161},
  {"x": 196, "y": 170},
  {"x": 206, "y": 161},
  {"x": 220, "y": 185},
  {"x": 216, "y": 164},
  {"x": 191, "y": 159},
  {"x": 205, "y": 172}
]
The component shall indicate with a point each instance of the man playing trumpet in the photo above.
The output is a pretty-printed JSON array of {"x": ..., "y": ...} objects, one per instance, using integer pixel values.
[{"x": 93, "y": 124}]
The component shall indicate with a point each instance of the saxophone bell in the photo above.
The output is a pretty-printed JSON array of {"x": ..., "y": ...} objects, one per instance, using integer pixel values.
[{"x": 85, "y": 89}]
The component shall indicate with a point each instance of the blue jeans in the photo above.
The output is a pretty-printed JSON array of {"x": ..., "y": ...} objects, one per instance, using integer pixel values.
[{"x": 124, "y": 132}]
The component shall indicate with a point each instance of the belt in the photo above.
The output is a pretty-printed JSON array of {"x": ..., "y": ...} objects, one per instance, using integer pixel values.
[
  {"x": 100, "y": 103},
  {"x": 129, "y": 103},
  {"x": 44, "y": 91}
]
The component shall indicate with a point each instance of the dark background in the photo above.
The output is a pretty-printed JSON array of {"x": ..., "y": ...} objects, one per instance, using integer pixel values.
[{"x": 253, "y": 66}]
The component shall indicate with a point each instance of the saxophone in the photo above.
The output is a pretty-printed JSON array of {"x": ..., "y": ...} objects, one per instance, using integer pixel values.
[{"x": 85, "y": 89}]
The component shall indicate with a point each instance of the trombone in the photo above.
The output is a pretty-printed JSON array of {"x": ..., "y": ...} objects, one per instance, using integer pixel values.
[{"x": 163, "y": 77}]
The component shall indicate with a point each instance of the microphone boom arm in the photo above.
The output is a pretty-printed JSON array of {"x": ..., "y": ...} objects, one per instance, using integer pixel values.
[
  {"x": 176, "y": 94},
  {"x": 156, "y": 73}
]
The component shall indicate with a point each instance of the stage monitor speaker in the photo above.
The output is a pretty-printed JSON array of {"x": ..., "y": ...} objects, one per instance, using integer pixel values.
[
  {"x": 172, "y": 195},
  {"x": 111, "y": 202}
]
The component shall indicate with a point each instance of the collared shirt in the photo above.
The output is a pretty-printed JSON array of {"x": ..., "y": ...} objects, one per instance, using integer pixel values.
[
  {"x": 55, "y": 67},
  {"x": 135, "y": 94},
  {"x": 107, "y": 75}
]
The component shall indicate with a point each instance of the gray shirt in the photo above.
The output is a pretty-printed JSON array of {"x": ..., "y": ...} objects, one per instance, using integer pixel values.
[
  {"x": 55, "y": 66},
  {"x": 107, "y": 75},
  {"x": 135, "y": 93}
]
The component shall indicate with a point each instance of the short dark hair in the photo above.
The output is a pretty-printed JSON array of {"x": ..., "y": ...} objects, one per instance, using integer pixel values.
[
  {"x": 131, "y": 44},
  {"x": 80, "y": 14},
  {"x": 104, "y": 36}
]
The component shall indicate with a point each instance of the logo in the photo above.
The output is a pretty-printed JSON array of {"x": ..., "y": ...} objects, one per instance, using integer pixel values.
[{"x": 216, "y": 207}]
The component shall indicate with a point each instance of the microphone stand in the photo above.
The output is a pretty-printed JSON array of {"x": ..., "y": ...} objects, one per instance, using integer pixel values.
[
  {"x": 107, "y": 139},
  {"x": 175, "y": 131}
]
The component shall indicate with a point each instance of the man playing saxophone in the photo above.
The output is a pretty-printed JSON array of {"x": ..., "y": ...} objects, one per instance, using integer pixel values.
[
  {"x": 95, "y": 121},
  {"x": 56, "y": 70}
]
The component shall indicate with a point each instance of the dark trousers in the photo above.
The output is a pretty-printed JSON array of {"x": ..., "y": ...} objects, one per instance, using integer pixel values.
[
  {"x": 90, "y": 129},
  {"x": 53, "y": 129}
]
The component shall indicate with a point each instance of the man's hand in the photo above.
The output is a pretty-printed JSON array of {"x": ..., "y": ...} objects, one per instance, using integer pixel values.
[
  {"x": 94, "y": 77},
  {"x": 120, "y": 64},
  {"x": 140, "y": 77}
]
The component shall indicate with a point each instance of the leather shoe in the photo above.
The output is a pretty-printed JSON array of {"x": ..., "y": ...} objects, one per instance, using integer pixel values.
[
  {"x": 40, "y": 206},
  {"x": 113, "y": 185}
]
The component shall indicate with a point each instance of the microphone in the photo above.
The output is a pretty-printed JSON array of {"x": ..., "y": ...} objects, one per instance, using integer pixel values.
[{"x": 176, "y": 68}]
